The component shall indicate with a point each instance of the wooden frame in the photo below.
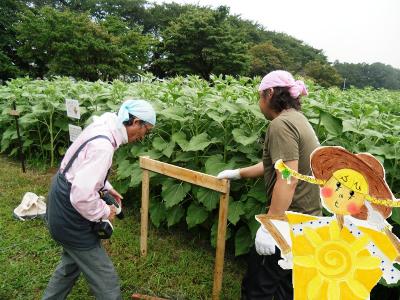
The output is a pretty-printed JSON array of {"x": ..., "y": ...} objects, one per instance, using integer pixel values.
[{"x": 211, "y": 182}]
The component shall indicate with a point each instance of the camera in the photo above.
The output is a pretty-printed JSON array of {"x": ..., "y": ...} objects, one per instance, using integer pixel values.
[{"x": 104, "y": 228}]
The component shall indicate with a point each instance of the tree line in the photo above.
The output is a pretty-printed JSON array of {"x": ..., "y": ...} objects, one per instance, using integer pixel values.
[{"x": 109, "y": 39}]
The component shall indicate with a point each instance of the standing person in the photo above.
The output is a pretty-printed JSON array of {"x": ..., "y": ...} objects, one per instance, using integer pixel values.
[
  {"x": 291, "y": 138},
  {"x": 74, "y": 203}
]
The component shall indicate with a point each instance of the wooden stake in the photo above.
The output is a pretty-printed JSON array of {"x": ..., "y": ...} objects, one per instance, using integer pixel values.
[
  {"x": 340, "y": 219},
  {"x": 395, "y": 242},
  {"x": 197, "y": 178},
  {"x": 276, "y": 234},
  {"x": 144, "y": 213},
  {"x": 220, "y": 252}
]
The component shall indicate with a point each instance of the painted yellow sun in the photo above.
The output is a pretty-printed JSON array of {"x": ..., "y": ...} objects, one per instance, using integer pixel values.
[{"x": 336, "y": 267}]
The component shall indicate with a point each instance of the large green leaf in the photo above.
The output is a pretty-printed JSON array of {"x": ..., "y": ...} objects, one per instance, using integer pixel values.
[
  {"x": 351, "y": 125},
  {"x": 258, "y": 192},
  {"x": 396, "y": 215},
  {"x": 236, "y": 209},
  {"x": 217, "y": 117},
  {"x": 183, "y": 157},
  {"x": 229, "y": 107},
  {"x": 174, "y": 113},
  {"x": 253, "y": 207},
  {"x": 174, "y": 215},
  {"x": 174, "y": 192},
  {"x": 375, "y": 133},
  {"x": 207, "y": 197},
  {"x": 241, "y": 137},
  {"x": 159, "y": 143},
  {"x": 180, "y": 139},
  {"x": 332, "y": 124},
  {"x": 255, "y": 110},
  {"x": 169, "y": 149},
  {"x": 121, "y": 186},
  {"x": 196, "y": 214},
  {"x": 152, "y": 153},
  {"x": 199, "y": 142},
  {"x": 387, "y": 151},
  {"x": 136, "y": 176},
  {"x": 125, "y": 168},
  {"x": 243, "y": 241},
  {"x": 138, "y": 149},
  {"x": 215, "y": 164},
  {"x": 253, "y": 225},
  {"x": 158, "y": 213}
]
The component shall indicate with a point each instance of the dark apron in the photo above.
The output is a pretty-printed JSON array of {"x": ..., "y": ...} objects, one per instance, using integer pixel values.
[{"x": 65, "y": 223}]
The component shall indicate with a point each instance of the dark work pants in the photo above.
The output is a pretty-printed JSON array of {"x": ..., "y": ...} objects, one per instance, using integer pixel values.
[
  {"x": 95, "y": 265},
  {"x": 265, "y": 279}
]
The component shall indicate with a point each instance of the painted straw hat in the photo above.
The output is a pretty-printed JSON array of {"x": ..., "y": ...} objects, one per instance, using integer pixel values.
[{"x": 326, "y": 160}]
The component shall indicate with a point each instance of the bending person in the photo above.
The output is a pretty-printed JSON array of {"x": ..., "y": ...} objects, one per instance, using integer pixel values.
[{"x": 74, "y": 203}]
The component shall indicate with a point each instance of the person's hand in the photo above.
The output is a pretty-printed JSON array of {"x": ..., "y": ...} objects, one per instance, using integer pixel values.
[
  {"x": 116, "y": 195},
  {"x": 113, "y": 211},
  {"x": 265, "y": 244},
  {"x": 229, "y": 174},
  {"x": 375, "y": 217},
  {"x": 286, "y": 262}
]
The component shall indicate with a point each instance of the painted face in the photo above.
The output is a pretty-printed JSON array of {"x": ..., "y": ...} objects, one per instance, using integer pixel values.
[{"x": 344, "y": 193}]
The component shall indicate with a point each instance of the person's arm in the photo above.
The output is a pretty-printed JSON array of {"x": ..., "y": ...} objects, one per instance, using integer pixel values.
[
  {"x": 253, "y": 171},
  {"x": 89, "y": 179},
  {"x": 282, "y": 194}
]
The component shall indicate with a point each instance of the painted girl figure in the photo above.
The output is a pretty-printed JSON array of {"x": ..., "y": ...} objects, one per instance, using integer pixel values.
[{"x": 345, "y": 255}]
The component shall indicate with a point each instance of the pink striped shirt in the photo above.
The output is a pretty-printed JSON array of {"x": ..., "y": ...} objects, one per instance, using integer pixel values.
[{"x": 88, "y": 172}]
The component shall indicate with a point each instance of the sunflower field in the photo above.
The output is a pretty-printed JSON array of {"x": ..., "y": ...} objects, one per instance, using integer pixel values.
[{"x": 207, "y": 126}]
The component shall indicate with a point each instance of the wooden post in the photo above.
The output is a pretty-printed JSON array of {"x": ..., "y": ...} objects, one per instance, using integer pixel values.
[
  {"x": 395, "y": 242},
  {"x": 265, "y": 220},
  {"x": 340, "y": 220},
  {"x": 144, "y": 213},
  {"x": 220, "y": 252},
  {"x": 197, "y": 178}
]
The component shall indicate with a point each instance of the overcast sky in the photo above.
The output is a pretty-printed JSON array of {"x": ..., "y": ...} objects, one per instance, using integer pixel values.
[{"x": 351, "y": 31}]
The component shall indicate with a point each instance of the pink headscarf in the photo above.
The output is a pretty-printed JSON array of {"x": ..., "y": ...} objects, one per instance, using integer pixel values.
[{"x": 283, "y": 79}]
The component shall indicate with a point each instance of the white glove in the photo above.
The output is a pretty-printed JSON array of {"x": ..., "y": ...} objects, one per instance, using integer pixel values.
[
  {"x": 229, "y": 174},
  {"x": 375, "y": 217},
  {"x": 286, "y": 262},
  {"x": 265, "y": 244}
]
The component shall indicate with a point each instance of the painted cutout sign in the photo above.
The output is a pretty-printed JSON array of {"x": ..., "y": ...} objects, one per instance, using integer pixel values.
[{"x": 343, "y": 256}]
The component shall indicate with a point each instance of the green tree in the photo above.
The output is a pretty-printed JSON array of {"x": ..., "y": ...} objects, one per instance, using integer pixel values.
[
  {"x": 159, "y": 16},
  {"x": 266, "y": 58},
  {"x": 299, "y": 52},
  {"x": 376, "y": 75},
  {"x": 9, "y": 10},
  {"x": 323, "y": 73},
  {"x": 202, "y": 42},
  {"x": 71, "y": 44}
]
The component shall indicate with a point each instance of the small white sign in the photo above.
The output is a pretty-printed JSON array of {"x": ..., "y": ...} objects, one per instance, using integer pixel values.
[
  {"x": 73, "y": 110},
  {"x": 74, "y": 132}
]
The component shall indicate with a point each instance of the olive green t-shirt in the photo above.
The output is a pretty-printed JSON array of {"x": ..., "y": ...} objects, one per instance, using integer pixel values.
[{"x": 291, "y": 137}]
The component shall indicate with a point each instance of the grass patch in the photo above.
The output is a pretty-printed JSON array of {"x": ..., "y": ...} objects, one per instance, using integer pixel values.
[{"x": 179, "y": 264}]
